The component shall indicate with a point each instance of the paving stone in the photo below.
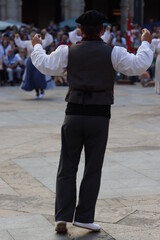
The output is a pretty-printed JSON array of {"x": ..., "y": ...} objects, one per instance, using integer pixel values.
[
  {"x": 138, "y": 235},
  {"x": 139, "y": 191},
  {"x": 22, "y": 182},
  {"x": 79, "y": 234},
  {"x": 36, "y": 233},
  {"x": 26, "y": 221},
  {"x": 50, "y": 218},
  {"x": 4, "y": 235},
  {"x": 149, "y": 208},
  {"x": 112, "y": 215},
  {"x": 118, "y": 228},
  {"x": 7, "y": 213},
  {"x": 28, "y": 204},
  {"x": 110, "y": 203},
  {"x": 32, "y": 161},
  {"x": 142, "y": 219},
  {"x": 152, "y": 174},
  {"x": 141, "y": 200},
  {"x": 5, "y": 189}
]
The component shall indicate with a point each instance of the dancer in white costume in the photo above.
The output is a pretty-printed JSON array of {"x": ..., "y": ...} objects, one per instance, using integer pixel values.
[
  {"x": 33, "y": 79},
  {"x": 156, "y": 44},
  {"x": 28, "y": 43}
]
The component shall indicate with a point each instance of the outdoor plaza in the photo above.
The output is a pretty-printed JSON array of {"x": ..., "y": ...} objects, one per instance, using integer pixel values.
[{"x": 128, "y": 207}]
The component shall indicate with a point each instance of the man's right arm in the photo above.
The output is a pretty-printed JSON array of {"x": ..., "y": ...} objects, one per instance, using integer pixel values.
[
  {"x": 130, "y": 64},
  {"x": 53, "y": 64}
]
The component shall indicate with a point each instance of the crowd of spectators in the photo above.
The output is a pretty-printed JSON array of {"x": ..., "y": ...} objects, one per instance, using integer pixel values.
[{"x": 13, "y": 59}]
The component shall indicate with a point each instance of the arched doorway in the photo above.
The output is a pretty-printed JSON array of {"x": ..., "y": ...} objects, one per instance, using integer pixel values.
[{"x": 40, "y": 12}]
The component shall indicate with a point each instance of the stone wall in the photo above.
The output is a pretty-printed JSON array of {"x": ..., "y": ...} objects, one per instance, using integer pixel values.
[
  {"x": 72, "y": 8},
  {"x": 11, "y": 9}
]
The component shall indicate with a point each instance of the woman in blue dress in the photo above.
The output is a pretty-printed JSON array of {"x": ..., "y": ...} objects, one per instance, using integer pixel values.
[{"x": 33, "y": 79}]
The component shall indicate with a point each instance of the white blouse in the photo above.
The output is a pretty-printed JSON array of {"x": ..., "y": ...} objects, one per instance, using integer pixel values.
[
  {"x": 28, "y": 43},
  {"x": 155, "y": 45}
]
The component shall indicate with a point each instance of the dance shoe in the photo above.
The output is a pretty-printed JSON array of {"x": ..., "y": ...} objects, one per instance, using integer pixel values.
[
  {"x": 90, "y": 226},
  {"x": 41, "y": 95},
  {"x": 61, "y": 227}
]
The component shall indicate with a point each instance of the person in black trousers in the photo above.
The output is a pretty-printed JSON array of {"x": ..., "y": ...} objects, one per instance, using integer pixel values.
[{"x": 91, "y": 66}]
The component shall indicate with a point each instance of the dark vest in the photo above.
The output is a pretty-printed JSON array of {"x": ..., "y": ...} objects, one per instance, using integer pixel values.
[{"x": 90, "y": 73}]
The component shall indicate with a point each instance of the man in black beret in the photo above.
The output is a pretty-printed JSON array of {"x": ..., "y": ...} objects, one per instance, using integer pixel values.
[{"x": 91, "y": 66}]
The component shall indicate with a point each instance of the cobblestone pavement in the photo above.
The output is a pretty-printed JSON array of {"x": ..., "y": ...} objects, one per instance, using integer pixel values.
[{"x": 129, "y": 201}]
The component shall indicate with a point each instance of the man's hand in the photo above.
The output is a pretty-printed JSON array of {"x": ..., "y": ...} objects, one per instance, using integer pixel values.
[
  {"x": 108, "y": 28},
  {"x": 17, "y": 35},
  {"x": 146, "y": 36},
  {"x": 43, "y": 31},
  {"x": 78, "y": 31},
  {"x": 36, "y": 39}
]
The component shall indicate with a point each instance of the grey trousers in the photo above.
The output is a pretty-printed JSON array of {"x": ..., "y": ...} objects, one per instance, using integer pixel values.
[{"x": 90, "y": 132}]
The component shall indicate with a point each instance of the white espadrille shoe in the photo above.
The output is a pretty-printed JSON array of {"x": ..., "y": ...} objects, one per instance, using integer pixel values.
[{"x": 90, "y": 226}]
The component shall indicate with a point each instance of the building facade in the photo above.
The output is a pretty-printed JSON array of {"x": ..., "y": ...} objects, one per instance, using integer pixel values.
[
  {"x": 71, "y": 9},
  {"x": 41, "y": 11},
  {"x": 11, "y": 9}
]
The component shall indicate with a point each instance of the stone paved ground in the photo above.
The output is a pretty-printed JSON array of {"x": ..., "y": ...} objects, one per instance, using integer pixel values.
[{"x": 128, "y": 207}]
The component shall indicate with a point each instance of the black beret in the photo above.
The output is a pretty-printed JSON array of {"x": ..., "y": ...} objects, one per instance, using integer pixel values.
[{"x": 91, "y": 17}]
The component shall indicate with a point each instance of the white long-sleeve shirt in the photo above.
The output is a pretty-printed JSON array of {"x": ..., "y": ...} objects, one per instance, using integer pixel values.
[{"x": 129, "y": 64}]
